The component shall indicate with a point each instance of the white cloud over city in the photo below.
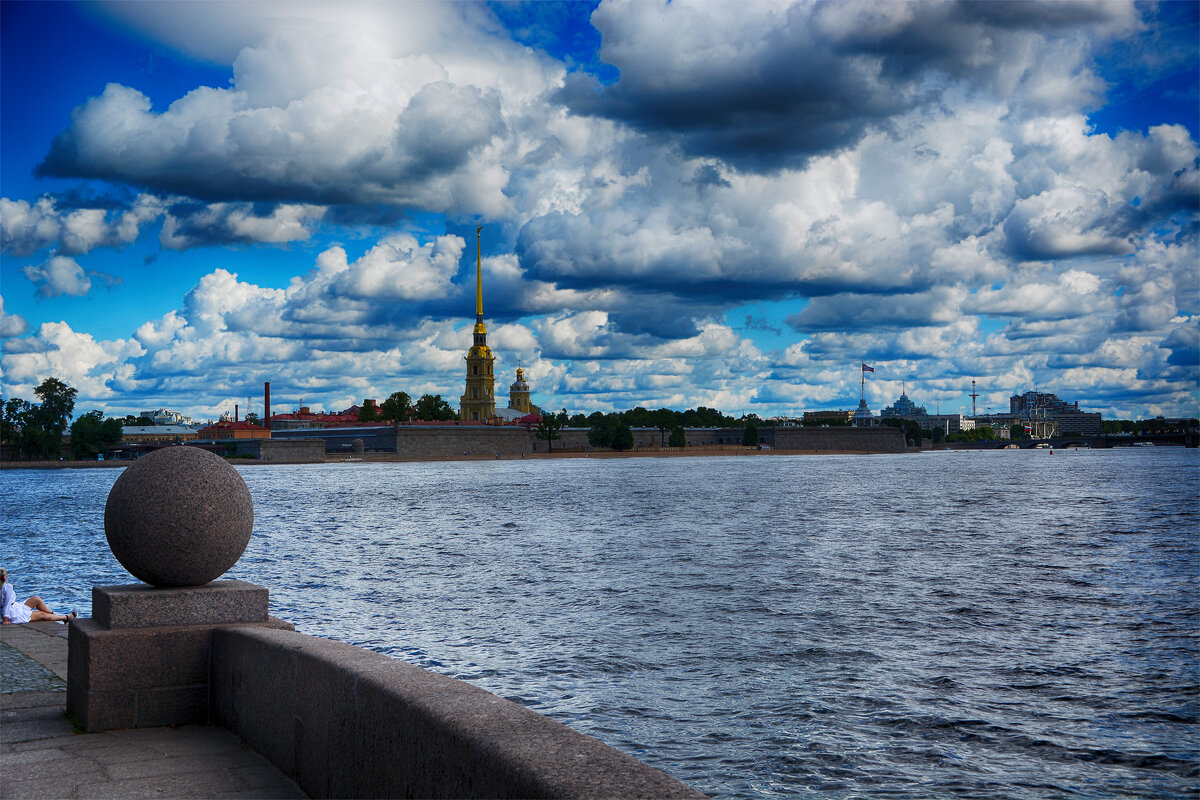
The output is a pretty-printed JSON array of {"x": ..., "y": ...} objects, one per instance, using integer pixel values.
[{"x": 920, "y": 185}]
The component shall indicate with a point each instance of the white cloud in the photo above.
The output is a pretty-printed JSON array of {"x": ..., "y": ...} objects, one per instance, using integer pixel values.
[
  {"x": 11, "y": 324},
  {"x": 58, "y": 276},
  {"x": 29, "y": 227}
]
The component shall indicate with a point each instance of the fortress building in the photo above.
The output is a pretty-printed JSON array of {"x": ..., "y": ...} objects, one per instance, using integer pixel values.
[
  {"x": 478, "y": 402},
  {"x": 518, "y": 394}
]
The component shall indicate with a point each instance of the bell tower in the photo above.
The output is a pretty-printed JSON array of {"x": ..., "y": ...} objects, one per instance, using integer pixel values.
[
  {"x": 478, "y": 402},
  {"x": 518, "y": 393}
]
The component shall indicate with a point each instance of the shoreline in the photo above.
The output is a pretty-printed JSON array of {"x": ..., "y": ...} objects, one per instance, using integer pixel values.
[{"x": 391, "y": 458}]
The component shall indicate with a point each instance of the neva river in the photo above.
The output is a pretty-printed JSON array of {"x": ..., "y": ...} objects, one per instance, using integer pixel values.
[{"x": 967, "y": 624}]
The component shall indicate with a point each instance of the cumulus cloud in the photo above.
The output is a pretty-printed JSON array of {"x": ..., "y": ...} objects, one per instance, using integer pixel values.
[
  {"x": 58, "y": 276},
  {"x": 11, "y": 324},
  {"x": 30, "y": 227},
  {"x": 767, "y": 85},
  {"x": 192, "y": 225},
  {"x": 426, "y": 117}
]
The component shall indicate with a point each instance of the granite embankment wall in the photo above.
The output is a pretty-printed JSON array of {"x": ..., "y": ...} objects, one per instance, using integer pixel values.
[
  {"x": 346, "y": 722},
  {"x": 436, "y": 441}
]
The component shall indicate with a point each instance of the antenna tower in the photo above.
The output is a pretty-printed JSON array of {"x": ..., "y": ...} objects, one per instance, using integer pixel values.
[{"x": 973, "y": 395}]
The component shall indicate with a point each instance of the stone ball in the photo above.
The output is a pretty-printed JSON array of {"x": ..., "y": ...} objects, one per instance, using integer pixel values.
[{"x": 180, "y": 516}]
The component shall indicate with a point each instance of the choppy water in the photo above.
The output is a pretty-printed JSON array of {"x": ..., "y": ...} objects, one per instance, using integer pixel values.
[{"x": 980, "y": 624}]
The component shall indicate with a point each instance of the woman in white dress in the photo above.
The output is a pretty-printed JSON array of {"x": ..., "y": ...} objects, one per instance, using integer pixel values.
[{"x": 32, "y": 610}]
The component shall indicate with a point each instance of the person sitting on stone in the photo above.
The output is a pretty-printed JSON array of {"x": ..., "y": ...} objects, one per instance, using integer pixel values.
[{"x": 32, "y": 610}]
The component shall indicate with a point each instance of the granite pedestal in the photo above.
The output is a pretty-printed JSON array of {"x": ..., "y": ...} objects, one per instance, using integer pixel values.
[{"x": 142, "y": 660}]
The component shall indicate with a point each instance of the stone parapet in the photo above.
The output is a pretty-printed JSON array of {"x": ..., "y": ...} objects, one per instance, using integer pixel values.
[
  {"x": 143, "y": 660},
  {"x": 347, "y": 722},
  {"x": 137, "y": 605}
]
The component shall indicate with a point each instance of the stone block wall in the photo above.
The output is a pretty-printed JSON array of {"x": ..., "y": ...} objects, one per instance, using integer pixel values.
[
  {"x": 472, "y": 440},
  {"x": 348, "y": 722}
]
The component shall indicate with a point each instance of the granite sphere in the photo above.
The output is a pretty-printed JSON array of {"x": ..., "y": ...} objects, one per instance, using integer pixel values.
[{"x": 180, "y": 516}]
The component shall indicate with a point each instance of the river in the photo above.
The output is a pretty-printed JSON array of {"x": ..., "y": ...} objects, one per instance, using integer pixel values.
[{"x": 1007, "y": 624}]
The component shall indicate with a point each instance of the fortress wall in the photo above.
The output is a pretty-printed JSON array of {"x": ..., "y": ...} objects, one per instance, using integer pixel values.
[
  {"x": 347, "y": 722},
  {"x": 867, "y": 440},
  {"x": 451, "y": 440}
]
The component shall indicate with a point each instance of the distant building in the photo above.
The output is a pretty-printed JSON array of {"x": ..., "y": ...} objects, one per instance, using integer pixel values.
[
  {"x": 233, "y": 430},
  {"x": 903, "y": 407},
  {"x": 1044, "y": 406},
  {"x": 157, "y": 434},
  {"x": 1037, "y": 402},
  {"x": 827, "y": 417},
  {"x": 164, "y": 416},
  {"x": 863, "y": 417}
]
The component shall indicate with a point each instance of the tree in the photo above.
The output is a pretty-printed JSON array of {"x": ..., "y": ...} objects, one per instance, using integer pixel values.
[
  {"x": 398, "y": 406},
  {"x": 750, "y": 435},
  {"x": 92, "y": 434},
  {"x": 42, "y": 426},
  {"x": 622, "y": 436},
  {"x": 252, "y": 419},
  {"x": 368, "y": 412},
  {"x": 550, "y": 426},
  {"x": 678, "y": 438},
  {"x": 1018, "y": 432},
  {"x": 577, "y": 421},
  {"x": 664, "y": 419},
  {"x": 433, "y": 407},
  {"x": 14, "y": 425},
  {"x": 610, "y": 430},
  {"x": 131, "y": 420},
  {"x": 602, "y": 429}
]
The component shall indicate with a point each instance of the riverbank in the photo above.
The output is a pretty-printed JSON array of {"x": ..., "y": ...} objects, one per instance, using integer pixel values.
[{"x": 384, "y": 458}]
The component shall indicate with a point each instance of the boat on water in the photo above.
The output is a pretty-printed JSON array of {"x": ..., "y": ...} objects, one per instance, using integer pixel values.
[{"x": 1142, "y": 444}]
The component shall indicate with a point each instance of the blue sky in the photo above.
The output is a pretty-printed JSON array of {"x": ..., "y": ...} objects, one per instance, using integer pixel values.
[{"x": 693, "y": 203}]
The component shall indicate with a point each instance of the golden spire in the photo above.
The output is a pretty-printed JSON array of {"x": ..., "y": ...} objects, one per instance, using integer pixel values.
[{"x": 478, "y": 276}]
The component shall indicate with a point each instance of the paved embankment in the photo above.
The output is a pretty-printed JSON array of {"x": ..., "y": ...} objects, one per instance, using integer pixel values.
[{"x": 42, "y": 756}]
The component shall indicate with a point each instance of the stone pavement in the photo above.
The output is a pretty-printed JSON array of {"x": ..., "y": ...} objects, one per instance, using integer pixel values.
[{"x": 41, "y": 756}]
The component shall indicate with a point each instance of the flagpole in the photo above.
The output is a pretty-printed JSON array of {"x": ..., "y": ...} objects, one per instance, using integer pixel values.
[{"x": 862, "y": 381}]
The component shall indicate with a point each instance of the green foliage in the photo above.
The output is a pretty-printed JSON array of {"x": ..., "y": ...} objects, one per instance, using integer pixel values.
[
  {"x": 912, "y": 431},
  {"x": 431, "y": 407},
  {"x": 133, "y": 421},
  {"x": 398, "y": 406},
  {"x": 750, "y": 435},
  {"x": 984, "y": 433},
  {"x": 622, "y": 437},
  {"x": 37, "y": 430},
  {"x": 577, "y": 421},
  {"x": 1017, "y": 432},
  {"x": 550, "y": 427},
  {"x": 252, "y": 419},
  {"x": 702, "y": 417},
  {"x": 664, "y": 419},
  {"x": 1156, "y": 425},
  {"x": 92, "y": 434},
  {"x": 368, "y": 412},
  {"x": 678, "y": 439},
  {"x": 610, "y": 430}
]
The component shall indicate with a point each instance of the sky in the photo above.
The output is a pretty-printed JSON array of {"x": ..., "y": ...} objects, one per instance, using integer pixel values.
[{"x": 723, "y": 204}]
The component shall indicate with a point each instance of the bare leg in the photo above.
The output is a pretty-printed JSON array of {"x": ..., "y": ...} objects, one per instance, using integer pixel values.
[
  {"x": 40, "y": 612},
  {"x": 36, "y": 603}
]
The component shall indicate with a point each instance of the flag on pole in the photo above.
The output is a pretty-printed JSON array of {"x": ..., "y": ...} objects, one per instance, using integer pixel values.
[{"x": 867, "y": 369}]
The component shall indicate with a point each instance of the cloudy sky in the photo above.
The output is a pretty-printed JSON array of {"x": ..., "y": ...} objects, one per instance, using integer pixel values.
[{"x": 685, "y": 203}]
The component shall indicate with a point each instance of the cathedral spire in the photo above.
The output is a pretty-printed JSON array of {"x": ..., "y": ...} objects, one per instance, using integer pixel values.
[{"x": 478, "y": 276}]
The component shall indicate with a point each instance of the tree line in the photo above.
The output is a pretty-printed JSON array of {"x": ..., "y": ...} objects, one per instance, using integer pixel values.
[
  {"x": 35, "y": 430},
  {"x": 399, "y": 407}
]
